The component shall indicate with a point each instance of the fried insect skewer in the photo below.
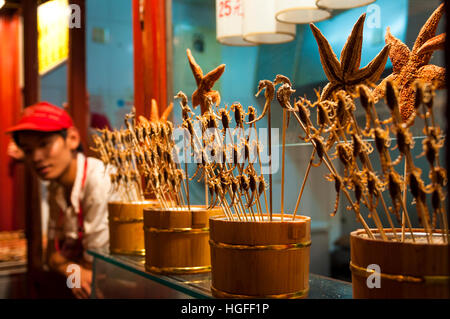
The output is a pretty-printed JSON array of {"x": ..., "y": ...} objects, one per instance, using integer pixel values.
[
  {"x": 269, "y": 95},
  {"x": 431, "y": 145},
  {"x": 251, "y": 118},
  {"x": 283, "y": 97},
  {"x": 333, "y": 171},
  {"x": 371, "y": 113}
]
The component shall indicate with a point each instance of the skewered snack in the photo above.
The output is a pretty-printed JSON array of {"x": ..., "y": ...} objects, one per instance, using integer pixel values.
[
  {"x": 345, "y": 74},
  {"x": 228, "y": 138},
  {"x": 412, "y": 65},
  {"x": 409, "y": 95},
  {"x": 204, "y": 84},
  {"x": 142, "y": 160},
  {"x": 368, "y": 187}
]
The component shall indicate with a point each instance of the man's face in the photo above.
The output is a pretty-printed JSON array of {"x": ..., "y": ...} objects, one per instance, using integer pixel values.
[{"x": 48, "y": 154}]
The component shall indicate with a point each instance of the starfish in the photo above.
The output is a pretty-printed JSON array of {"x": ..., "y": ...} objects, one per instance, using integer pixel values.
[
  {"x": 203, "y": 95},
  {"x": 411, "y": 66},
  {"x": 154, "y": 112},
  {"x": 346, "y": 74}
]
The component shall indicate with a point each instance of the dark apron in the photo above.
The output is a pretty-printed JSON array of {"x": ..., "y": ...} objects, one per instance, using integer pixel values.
[{"x": 71, "y": 248}]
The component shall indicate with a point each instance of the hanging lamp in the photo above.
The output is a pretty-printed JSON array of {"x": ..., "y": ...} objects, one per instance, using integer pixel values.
[
  {"x": 342, "y": 4},
  {"x": 300, "y": 11},
  {"x": 260, "y": 25},
  {"x": 229, "y": 20}
]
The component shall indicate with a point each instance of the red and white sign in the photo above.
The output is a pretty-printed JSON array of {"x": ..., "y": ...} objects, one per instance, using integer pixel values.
[{"x": 229, "y": 20}]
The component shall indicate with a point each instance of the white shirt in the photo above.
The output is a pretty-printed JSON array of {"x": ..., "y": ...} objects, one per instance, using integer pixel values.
[{"x": 94, "y": 198}]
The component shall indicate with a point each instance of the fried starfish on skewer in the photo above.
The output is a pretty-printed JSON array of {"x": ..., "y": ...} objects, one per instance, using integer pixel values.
[
  {"x": 154, "y": 112},
  {"x": 346, "y": 74},
  {"x": 412, "y": 65},
  {"x": 204, "y": 84}
]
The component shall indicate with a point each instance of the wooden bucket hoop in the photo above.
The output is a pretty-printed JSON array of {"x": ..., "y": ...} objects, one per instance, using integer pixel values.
[
  {"x": 178, "y": 270},
  {"x": 121, "y": 245},
  {"x": 139, "y": 252},
  {"x": 127, "y": 220},
  {"x": 186, "y": 230},
  {"x": 407, "y": 269},
  {"x": 251, "y": 244},
  {"x": 294, "y": 295},
  {"x": 184, "y": 233},
  {"x": 261, "y": 247},
  {"x": 430, "y": 280},
  {"x": 136, "y": 203}
]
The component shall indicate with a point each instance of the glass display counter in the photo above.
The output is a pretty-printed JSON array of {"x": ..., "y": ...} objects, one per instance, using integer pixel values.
[{"x": 121, "y": 277}]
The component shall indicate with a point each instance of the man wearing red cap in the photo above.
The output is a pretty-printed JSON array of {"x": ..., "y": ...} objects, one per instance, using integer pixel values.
[{"x": 78, "y": 193}]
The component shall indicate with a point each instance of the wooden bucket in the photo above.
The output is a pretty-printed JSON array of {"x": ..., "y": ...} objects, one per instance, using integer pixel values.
[
  {"x": 126, "y": 234},
  {"x": 176, "y": 239},
  {"x": 260, "y": 259},
  {"x": 407, "y": 270}
]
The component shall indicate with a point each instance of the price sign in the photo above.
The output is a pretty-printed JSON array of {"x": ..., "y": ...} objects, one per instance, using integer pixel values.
[
  {"x": 53, "y": 30},
  {"x": 227, "y": 8},
  {"x": 229, "y": 16}
]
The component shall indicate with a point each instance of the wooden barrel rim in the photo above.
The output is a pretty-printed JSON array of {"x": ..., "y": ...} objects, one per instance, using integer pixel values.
[
  {"x": 293, "y": 295},
  {"x": 178, "y": 219},
  {"x": 287, "y": 220},
  {"x": 139, "y": 252},
  {"x": 135, "y": 203},
  {"x": 183, "y": 209},
  {"x": 424, "y": 278},
  {"x": 176, "y": 230},
  {"x": 127, "y": 220},
  {"x": 359, "y": 232},
  {"x": 432, "y": 279},
  {"x": 124, "y": 205},
  {"x": 261, "y": 247},
  {"x": 256, "y": 233}
]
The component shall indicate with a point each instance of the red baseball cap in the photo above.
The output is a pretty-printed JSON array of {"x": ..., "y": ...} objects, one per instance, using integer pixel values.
[{"x": 43, "y": 117}]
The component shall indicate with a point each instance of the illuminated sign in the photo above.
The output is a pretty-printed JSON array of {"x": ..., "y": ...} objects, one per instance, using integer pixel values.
[{"x": 53, "y": 28}]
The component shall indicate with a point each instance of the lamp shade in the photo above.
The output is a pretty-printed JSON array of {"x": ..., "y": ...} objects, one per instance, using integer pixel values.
[
  {"x": 2, "y": 3},
  {"x": 300, "y": 11},
  {"x": 229, "y": 19},
  {"x": 260, "y": 25},
  {"x": 342, "y": 4}
]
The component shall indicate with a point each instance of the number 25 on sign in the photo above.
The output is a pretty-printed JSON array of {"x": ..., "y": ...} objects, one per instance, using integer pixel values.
[{"x": 229, "y": 7}]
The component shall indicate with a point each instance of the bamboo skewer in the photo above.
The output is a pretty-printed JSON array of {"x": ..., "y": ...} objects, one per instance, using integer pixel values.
[
  {"x": 404, "y": 200},
  {"x": 240, "y": 202},
  {"x": 260, "y": 165},
  {"x": 246, "y": 195},
  {"x": 332, "y": 169},
  {"x": 253, "y": 126},
  {"x": 236, "y": 205},
  {"x": 269, "y": 127},
  {"x": 187, "y": 185},
  {"x": 206, "y": 170},
  {"x": 232, "y": 175},
  {"x": 368, "y": 162},
  {"x": 372, "y": 113},
  {"x": 374, "y": 118},
  {"x": 369, "y": 166},
  {"x": 341, "y": 134},
  {"x": 283, "y": 162},
  {"x": 427, "y": 102},
  {"x": 300, "y": 194}
]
